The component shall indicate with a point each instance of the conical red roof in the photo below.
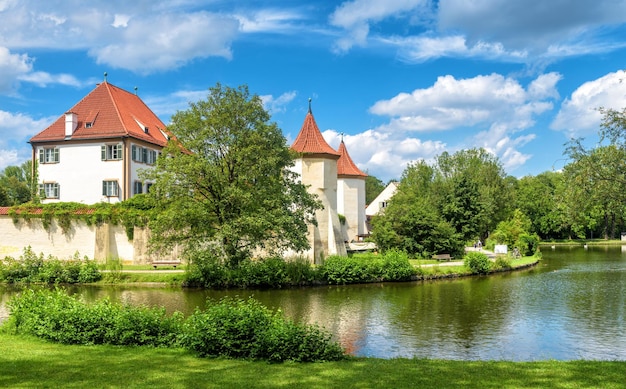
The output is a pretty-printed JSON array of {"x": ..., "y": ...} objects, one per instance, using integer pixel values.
[
  {"x": 345, "y": 165},
  {"x": 310, "y": 139},
  {"x": 107, "y": 112}
]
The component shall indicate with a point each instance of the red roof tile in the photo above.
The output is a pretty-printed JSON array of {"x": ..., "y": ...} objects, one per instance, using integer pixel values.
[
  {"x": 112, "y": 112},
  {"x": 345, "y": 165},
  {"x": 310, "y": 139}
]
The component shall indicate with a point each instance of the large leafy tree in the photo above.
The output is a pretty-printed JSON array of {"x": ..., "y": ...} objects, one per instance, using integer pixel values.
[
  {"x": 474, "y": 195},
  {"x": 541, "y": 199},
  {"x": 224, "y": 183},
  {"x": 598, "y": 175},
  {"x": 412, "y": 221}
]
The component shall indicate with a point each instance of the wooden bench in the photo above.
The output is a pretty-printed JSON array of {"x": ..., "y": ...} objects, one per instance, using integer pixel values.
[
  {"x": 165, "y": 263},
  {"x": 442, "y": 257}
]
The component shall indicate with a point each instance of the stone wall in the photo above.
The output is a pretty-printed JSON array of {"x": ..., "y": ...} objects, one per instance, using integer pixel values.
[{"x": 96, "y": 242}]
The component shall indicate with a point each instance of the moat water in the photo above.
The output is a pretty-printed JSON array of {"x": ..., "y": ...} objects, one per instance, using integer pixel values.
[{"x": 572, "y": 305}]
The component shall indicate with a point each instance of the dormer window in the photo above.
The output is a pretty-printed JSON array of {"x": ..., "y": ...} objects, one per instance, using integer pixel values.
[{"x": 88, "y": 125}]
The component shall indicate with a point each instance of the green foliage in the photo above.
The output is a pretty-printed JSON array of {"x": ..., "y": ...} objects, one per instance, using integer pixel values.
[
  {"x": 502, "y": 262},
  {"x": 373, "y": 187},
  {"x": 208, "y": 270},
  {"x": 477, "y": 262},
  {"x": 15, "y": 184},
  {"x": 33, "y": 268},
  {"x": 514, "y": 233},
  {"x": 392, "y": 266},
  {"x": 56, "y": 316},
  {"x": 236, "y": 328},
  {"x": 224, "y": 178}
]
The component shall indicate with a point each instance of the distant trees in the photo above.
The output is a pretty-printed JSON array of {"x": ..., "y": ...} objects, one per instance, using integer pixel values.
[
  {"x": 373, "y": 187},
  {"x": 16, "y": 184},
  {"x": 442, "y": 207}
]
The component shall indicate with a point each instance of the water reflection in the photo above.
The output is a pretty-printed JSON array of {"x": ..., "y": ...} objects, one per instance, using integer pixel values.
[{"x": 571, "y": 306}]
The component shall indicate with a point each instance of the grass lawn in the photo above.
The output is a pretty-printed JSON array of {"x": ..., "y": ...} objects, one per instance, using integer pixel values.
[{"x": 30, "y": 362}]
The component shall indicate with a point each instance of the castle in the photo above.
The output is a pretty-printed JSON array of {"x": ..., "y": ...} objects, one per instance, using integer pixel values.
[{"x": 94, "y": 152}]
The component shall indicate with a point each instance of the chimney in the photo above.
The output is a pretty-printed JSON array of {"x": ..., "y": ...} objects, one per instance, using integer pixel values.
[{"x": 71, "y": 122}]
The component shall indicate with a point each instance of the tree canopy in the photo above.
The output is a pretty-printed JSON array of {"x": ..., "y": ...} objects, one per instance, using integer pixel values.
[
  {"x": 223, "y": 182},
  {"x": 16, "y": 184}
]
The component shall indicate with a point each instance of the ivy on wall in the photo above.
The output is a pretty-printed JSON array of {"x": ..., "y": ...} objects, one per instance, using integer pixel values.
[{"x": 132, "y": 213}]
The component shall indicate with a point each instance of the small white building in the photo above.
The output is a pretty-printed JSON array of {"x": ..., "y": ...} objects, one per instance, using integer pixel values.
[
  {"x": 93, "y": 152},
  {"x": 381, "y": 201}
]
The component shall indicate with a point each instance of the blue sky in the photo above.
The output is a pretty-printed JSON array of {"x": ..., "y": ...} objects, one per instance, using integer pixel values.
[{"x": 404, "y": 80}]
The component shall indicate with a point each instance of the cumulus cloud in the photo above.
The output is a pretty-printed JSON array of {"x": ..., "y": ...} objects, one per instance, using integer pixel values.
[
  {"x": 16, "y": 129},
  {"x": 355, "y": 18},
  {"x": 178, "y": 39},
  {"x": 12, "y": 66},
  {"x": 278, "y": 104},
  {"x": 497, "y": 107},
  {"x": 579, "y": 115},
  {"x": 529, "y": 25},
  {"x": 382, "y": 154}
]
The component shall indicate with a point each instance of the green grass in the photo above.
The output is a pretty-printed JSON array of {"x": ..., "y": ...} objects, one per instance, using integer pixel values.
[{"x": 28, "y": 362}]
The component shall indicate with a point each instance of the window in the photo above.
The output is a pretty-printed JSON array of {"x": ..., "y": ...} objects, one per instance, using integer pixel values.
[
  {"x": 138, "y": 187},
  {"x": 142, "y": 154},
  {"x": 49, "y": 155},
  {"x": 148, "y": 186},
  {"x": 110, "y": 189},
  {"x": 382, "y": 204},
  {"x": 137, "y": 153},
  {"x": 49, "y": 190},
  {"x": 111, "y": 152},
  {"x": 151, "y": 157}
]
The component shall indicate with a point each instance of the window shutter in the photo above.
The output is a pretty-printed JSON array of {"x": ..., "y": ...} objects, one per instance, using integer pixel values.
[
  {"x": 41, "y": 156},
  {"x": 104, "y": 188},
  {"x": 103, "y": 152},
  {"x": 56, "y": 154}
]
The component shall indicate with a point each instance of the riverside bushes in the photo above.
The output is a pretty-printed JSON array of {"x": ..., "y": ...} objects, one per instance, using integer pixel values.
[
  {"x": 33, "y": 268},
  {"x": 206, "y": 271},
  {"x": 392, "y": 266},
  {"x": 230, "y": 328},
  {"x": 477, "y": 262}
]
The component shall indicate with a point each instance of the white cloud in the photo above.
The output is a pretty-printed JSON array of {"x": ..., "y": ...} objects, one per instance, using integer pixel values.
[
  {"x": 268, "y": 20},
  {"x": 275, "y": 105},
  {"x": 382, "y": 154},
  {"x": 355, "y": 18},
  {"x": 579, "y": 114},
  {"x": 12, "y": 66},
  {"x": 15, "y": 130},
  {"x": 178, "y": 39},
  {"x": 498, "y": 103},
  {"x": 531, "y": 24}
]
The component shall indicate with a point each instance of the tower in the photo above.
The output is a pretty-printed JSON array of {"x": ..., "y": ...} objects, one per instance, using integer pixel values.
[
  {"x": 317, "y": 167},
  {"x": 350, "y": 195}
]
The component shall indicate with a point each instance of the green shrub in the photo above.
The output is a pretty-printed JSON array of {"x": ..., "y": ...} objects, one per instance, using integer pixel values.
[
  {"x": 300, "y": 272},
  {"x": 394, "y": 265},
  {"x": 32, "y": 268},
  {"x": 528, "y": 244},
  {"x": 235, "y": 328},
  {"x": 56, "y": 316},
  {"x": 502, "y": 262},
  {"x": 207, "y": 271},
  {"x": 477, "y": 262}
]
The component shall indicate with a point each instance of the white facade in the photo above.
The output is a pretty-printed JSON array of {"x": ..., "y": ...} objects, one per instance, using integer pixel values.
[
  {"x": 380, "y": 202},
  {"x": 351, "y": 204},
  {"x": 90, "y": 172}
]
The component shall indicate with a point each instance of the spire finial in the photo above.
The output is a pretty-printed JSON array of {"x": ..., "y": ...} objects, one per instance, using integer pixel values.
[
  {"x": 310, "y": 105},
  {"x": 105, "y": 76},
  {"x": 341, "y": 133},
  {"x": 135, "y": 91}
]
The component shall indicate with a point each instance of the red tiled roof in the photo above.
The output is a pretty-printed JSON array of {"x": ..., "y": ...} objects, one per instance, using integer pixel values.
[
  {"x": 112, "y": 112},
  {"x": 310, "y": 139},
  {"x": 345, "y": 165}
]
